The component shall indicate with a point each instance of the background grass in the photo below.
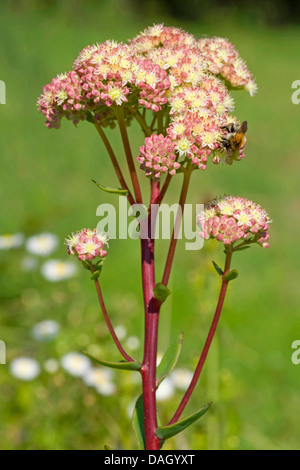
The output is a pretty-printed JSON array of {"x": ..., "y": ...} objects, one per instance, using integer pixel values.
[{"x": 45, "y": 186}]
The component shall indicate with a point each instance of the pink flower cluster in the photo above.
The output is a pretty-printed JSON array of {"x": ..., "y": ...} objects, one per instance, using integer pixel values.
[
  {"x": 230, "y": 219},
  {"x": 87, "y": 244},
  {"x": 223, "y": 59},
  {"x": 105, "y": 71},
  {"x": 161, "y": 66},
  {"x": 157, "y": 156},
  {"x": 158, "y": 36},
  {"x": 153, "y": 82},
  {"x": 63, "y": 98}
]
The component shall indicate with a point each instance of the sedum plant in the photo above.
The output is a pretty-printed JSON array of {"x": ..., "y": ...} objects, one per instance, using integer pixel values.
[{"x": 177, "y": 88}]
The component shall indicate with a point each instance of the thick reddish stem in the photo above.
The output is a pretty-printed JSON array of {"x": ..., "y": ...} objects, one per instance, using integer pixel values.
[
  {"x": 207, "y": 344},
  {"x": 152, "y": 308}
]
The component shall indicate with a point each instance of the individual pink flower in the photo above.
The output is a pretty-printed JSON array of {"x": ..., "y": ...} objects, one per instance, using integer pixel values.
[
  {"x": 231, "y": 219},
  {"x": 157, "y": 156},
  {"x": 87, "y": 244}
]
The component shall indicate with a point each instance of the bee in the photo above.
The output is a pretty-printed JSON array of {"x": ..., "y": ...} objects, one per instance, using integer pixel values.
[{"x": 235, "y": 138}]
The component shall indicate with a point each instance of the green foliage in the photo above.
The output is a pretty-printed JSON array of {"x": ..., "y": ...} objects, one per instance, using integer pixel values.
[
  {"x": 169, "y": 360},
  {"x": 165, "y": 432}
]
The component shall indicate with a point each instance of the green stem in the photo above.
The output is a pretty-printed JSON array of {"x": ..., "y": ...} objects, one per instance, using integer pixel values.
[{"x": 140, "y": 119}]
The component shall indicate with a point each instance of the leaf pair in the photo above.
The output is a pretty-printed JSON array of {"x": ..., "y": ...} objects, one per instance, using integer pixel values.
[{"x": 164, "y": 368}]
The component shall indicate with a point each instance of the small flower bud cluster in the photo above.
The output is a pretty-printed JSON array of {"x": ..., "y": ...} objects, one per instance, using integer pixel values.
[
  {"x": 62, "y": 98},
  {"x": 153, "y": 82},
  {"x": 231, "y": 219},
  {"x": 157, "y": 156},
  {"x": 87, "y": 244},
  {"x": 223, "y": 59},
  {"x": 158, "y": 36},
  {"x": 105, "y": 71}
]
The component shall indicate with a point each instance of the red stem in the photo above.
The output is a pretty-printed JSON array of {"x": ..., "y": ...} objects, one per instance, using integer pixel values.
[
  {"x": 152, "y": 308},
  {"x": 207, "y": 344},
  {"x": 173, "y": 243},
  {"x": 108, "y": 322},
  {"x": 114, "y": 162},
  {"x": 128, "y": 153}
]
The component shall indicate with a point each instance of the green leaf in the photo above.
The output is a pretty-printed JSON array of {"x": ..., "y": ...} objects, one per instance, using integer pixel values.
[
  {"x": 107, "y": 189},
  {"x": 90, "y": 117},
  {"x": 96, "y": 275},
  {"x": 242, "y": 248},
  {"x": 231, "y": 275},
  {"x": 218, "y": 269},
  {"x": 138, "y": 422},
  {"x": 124, "y": 365},
  {"x": 85, "y": 265},
  {"x": 169, "y": 360},
  {"x": 161, "y": 292},
  {"x": 165, "y": 432},
  {"x": 106, "y": 447}
]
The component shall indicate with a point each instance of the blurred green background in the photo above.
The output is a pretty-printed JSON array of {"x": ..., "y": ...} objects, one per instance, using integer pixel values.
[{"x": 46, "y": 186}]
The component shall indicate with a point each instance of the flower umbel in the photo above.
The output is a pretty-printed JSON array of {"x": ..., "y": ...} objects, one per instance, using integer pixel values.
[
  {"x": 87, "y": 244},
  {"x": 157, "y": 156},
  {"x": 231, "y": 219}
]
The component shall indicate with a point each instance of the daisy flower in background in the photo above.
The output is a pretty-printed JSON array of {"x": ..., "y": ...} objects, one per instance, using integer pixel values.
[
  {"x": 42, "y": 244},
  {"x": 101, "y": 380},
  {"x": 25, "y": 368},
  {"x": 51, "y": 366},
  {"x": 165, "y": 390},
  {"x": 133, "y": 343},
  {"x": 8, "y": 241},
  {"x": 75, "y": 364},
  {"x": 181, "y": 378},
  {"x": 121, "y": 331},
  {"x": 56, "y": 270},
  {"x": 45, "y": 330}
]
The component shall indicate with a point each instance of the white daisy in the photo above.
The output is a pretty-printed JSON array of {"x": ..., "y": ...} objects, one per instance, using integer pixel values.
[
  {"x": 181, "y": 378},
  {"x": 133, "y": 343},
  {"x": 25, "y": 368},
  {"x": 45, "y": 330},
  {"x": 9, "y": 241},
  {"x": 55, "y": 270},
  {"x": 75, "y": 364},
  {"x": 120, "y": 331},
  {"x": 101, "y": 380},
  {"x": 165, "y": 390},
  {"x": 42, "y": 245}
]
